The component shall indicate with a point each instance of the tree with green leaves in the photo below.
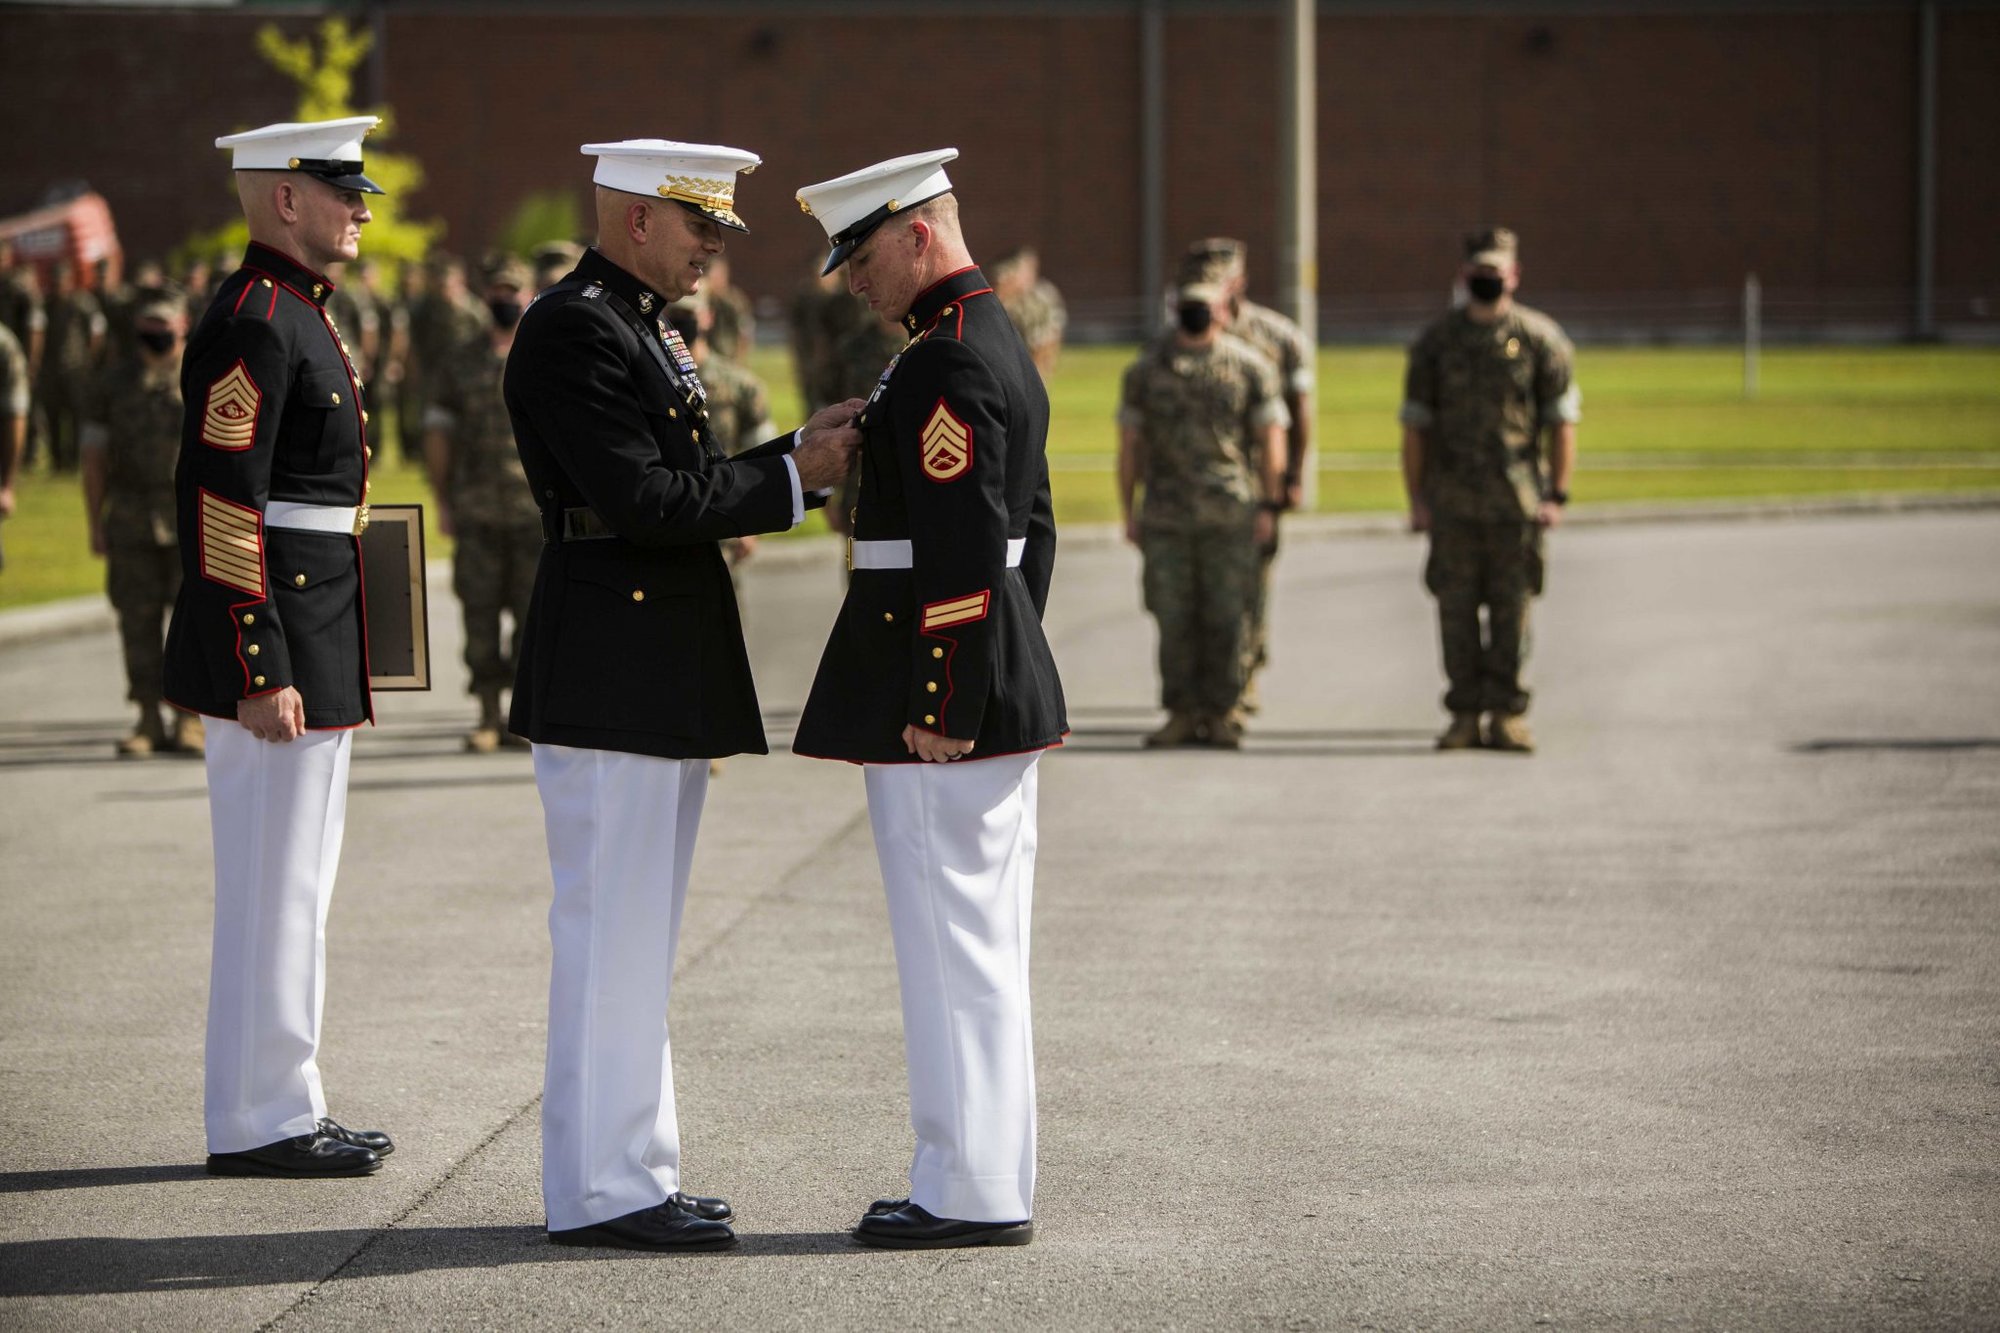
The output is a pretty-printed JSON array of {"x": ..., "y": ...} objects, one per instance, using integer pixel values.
[{"x": 325, "y": 77}]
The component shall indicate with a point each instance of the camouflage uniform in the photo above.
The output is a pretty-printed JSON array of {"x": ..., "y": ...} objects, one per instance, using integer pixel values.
[
  {"x": 731, "y": 322},
  {"x": 76, "y": 327},
  {"x": 495, "y": 524},
  {"x": 13, "y": 393},
  {"x": 1482, "y": 394},
  {"x": 136, "y": 421},
  {"x": 21, "y": 307},
  {"x": 438, "y": 327},
  {"x": 1039, "y": 316},
  {"x": 1199, "y": 411},
  {"x": 739, "y": 409},
  {"x": 739, "y": 415}
]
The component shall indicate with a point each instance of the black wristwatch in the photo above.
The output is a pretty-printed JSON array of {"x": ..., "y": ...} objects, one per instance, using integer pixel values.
[{"x": 1558, "y": 497}]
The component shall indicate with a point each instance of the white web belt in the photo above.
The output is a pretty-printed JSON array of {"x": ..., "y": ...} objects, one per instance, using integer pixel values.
[
  {"x": 897, "y": 555},
  {"x": 343, "y": 519}
]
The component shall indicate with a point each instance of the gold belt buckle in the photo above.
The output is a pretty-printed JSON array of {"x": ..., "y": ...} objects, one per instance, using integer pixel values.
[{"x": 360, "y": 518}]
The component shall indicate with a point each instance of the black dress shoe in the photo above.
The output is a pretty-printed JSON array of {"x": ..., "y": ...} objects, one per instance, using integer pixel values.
[
  {"x": 374, "y": 1140},
  {"x": 702, "y": 1206},
  {"x": 665, "y": 1226},
  {"x": 309, "y": 1155},
  {"x": 886, "y": 1206},
  {"x": 912, "y": 1228}
]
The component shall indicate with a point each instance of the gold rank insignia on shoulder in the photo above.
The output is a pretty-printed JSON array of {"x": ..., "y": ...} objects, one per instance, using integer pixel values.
[
  {"x": 947, "y": 444},
  {"x": 229, "y": 420}
]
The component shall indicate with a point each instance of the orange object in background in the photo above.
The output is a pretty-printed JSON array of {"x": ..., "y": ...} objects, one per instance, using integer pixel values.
[{"x": 79, "y": 230}]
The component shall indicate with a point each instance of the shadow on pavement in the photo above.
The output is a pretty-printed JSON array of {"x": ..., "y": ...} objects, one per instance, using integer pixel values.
[
  {"x": 96, "y": 1177},
  {"x": 1917, "y": 745},
  {"x": 100, "y": 1265}
]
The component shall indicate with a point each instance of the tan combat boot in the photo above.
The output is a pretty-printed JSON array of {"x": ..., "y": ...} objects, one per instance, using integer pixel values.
[
  {"x": 1179, "y": 730},
  {"x": 1462, "y": 734},
  {"x": 147, "y": 737},
  {"x": 1225, "y": 731},
  {"x": 190, "y": 734},
  {"x": 1509, "y": 731},
  {"x": 485, "y": 738}
]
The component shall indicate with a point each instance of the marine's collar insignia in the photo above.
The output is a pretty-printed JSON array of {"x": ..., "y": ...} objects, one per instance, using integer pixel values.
[{"x": 645, "y": 303}]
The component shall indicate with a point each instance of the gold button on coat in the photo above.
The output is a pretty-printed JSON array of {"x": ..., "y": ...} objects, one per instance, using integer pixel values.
[
  {"x": 930, "y": 720},
  {"x": 673, "y": 412},
  {"x": 930, "y": 687},
  {"x": 889, "y": 616},
  {"x": 260, "y": 680},
  {"x": 299, "y": 579},
  {"x": 336, "y": 400},
  {"x": 253, "y": 650},
  {"x": 937, "y": 652},
  {"x": 638, "y": 594},
  {"x": 249, "y": 619}
]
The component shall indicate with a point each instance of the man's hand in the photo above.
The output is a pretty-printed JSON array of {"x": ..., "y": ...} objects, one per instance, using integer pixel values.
[
  {"x": 1295, "y": 495},
  {"x": 1132, "y": 529},
  {"x": 1420, "y": 516},
  {"x": 6, "y": 501},
  {"x": 1265, "y": 530},
  {"x": 273, "y": 717},
  {"x": 443, "y": 512},
  {"x": 96, "y": 538},
  {"x": 827, "y": 445},
  {"x": 933, "y": 748},
  {"x": 1549, "y": 514}
]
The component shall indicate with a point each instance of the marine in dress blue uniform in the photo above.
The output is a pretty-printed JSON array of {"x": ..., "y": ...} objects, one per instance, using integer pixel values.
[
  {"x": 267, "y": 637},
  {"x": 938, "y": 679},
  {"x": 633, "y": 673}
]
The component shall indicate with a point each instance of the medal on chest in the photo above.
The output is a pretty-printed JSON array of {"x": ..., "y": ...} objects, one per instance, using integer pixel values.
[
  {"x": 682, "y": 361},
  {"x": 882, "y": 382}
]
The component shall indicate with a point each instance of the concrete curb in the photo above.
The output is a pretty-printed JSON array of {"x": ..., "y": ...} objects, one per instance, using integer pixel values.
[{"x": 87, "y": 615}]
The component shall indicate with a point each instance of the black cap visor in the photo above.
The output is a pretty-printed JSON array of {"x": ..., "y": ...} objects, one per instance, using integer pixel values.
[
  {"x": 341, "y": 175},
  {"x": 727, "y": 219},
  {"x": 849, "y": 239}
]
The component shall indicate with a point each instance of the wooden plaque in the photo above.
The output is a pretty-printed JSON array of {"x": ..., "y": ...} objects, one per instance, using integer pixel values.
[{"x": 398, "y": 611}]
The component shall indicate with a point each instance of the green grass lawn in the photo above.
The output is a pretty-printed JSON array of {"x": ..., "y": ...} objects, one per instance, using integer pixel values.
[{"x": 1659, "y": 424}]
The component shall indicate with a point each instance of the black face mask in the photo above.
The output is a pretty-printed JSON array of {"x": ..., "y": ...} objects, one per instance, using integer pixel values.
[
  {"x": 1486, "y": 288},
  {"x": 506, "y": 311},
  {"x": 156, "y": 341},
  {"x": 1195, "y": 318}
]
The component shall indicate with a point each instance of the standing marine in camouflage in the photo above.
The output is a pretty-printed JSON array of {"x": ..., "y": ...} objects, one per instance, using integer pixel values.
[
  {"x": 1033, "y": 305},
  {"x": 443, "y": 317},
  {"x": 1485, "y": 382},
  {"x": 1219, "y": 259},
  {"x": 739, "y": 407},
  {"x": 1201, "y": 432},
  {"x": 13, "y": 419},
  {"x": 731, "y": 318},
  {"x": 69, "y": 364},
  {"x": 840, "y": 349},
  {"x": 130, "y": 444},
  {"x": 484, "y": 500}
]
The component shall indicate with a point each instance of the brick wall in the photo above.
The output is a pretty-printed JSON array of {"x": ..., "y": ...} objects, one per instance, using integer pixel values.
[{"x": 1640, "y": 153}]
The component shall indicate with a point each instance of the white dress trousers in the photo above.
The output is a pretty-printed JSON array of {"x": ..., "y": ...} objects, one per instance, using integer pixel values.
[
  {"x": 277, "y": 811},
  {"x": 621, "y": 831},
  {"x": 956, "y": 843}
]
